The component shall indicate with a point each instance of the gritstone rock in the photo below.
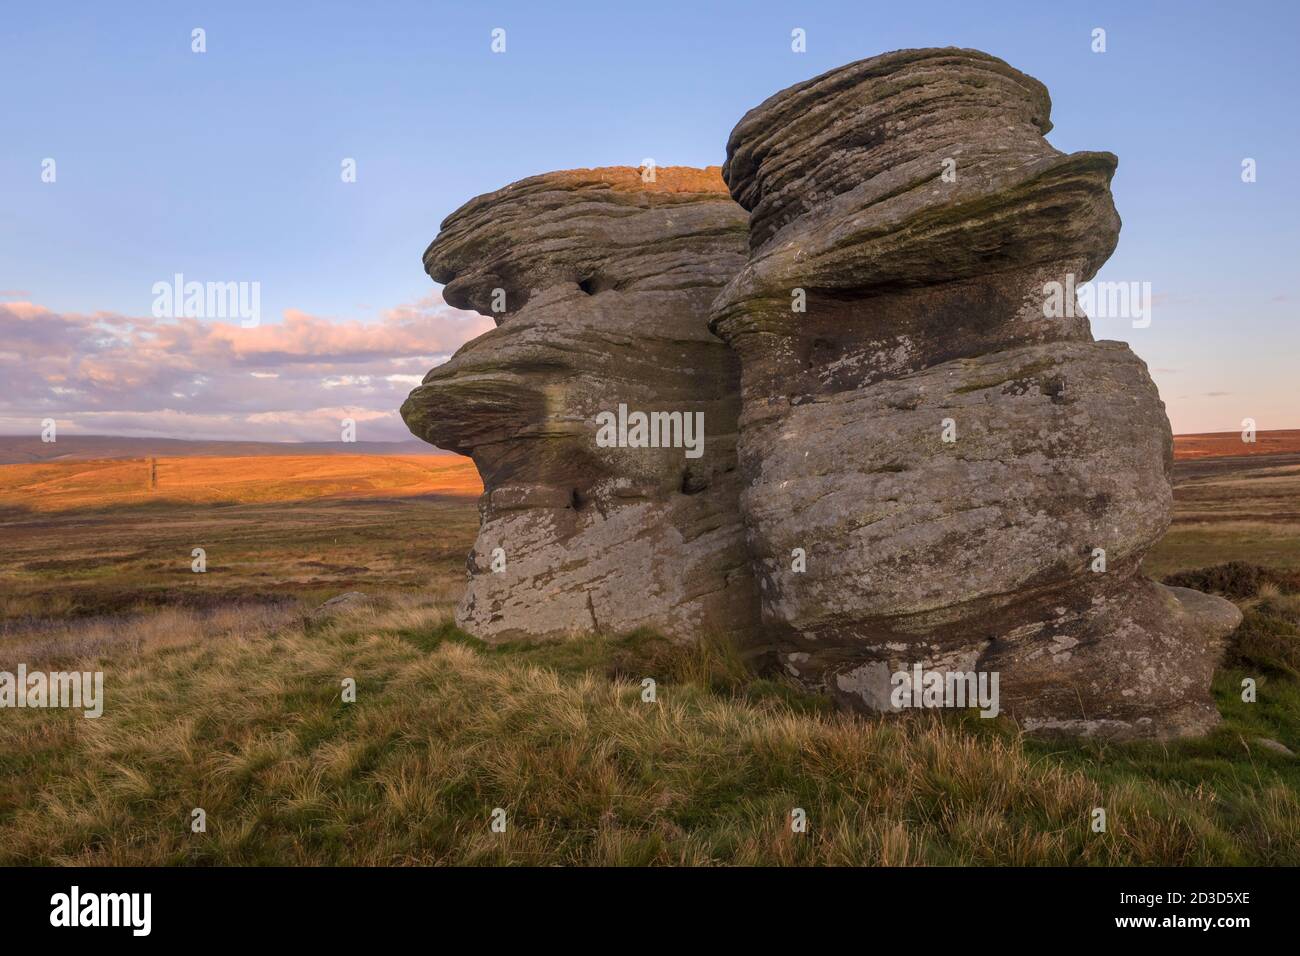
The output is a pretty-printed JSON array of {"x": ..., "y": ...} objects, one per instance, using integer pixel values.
[
  {"x": 600, "y": 282},
  {"x": 946, "y": 450}
]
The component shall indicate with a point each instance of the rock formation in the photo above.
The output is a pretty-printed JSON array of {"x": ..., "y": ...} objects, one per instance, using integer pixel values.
[
  {"x": 600, "y": 282},
  {"x": 948, "y": 455},
  {"x": 934, "y": 467}
]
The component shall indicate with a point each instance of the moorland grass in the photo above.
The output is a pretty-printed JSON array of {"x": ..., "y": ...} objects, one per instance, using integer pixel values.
[
  {"x": 242, "y": 715},
  {"x": 224, "y": 694}
]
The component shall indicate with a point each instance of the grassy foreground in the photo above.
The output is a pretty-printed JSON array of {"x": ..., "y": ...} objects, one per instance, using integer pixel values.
[
  {"x": 224, "y": 693},
  {"x": 240, "y": 712}
]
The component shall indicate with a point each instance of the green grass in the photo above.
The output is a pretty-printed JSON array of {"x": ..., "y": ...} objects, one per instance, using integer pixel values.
[
  {"x": 243, "y": 717},
  {"x": 1224, "y": 511},
  {"x": 1192, "y": 545},
  {"x": 233, "y": 703}
]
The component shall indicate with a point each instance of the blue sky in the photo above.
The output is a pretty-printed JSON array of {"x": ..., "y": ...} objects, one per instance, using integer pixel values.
[{"x": 225, "y": 165}]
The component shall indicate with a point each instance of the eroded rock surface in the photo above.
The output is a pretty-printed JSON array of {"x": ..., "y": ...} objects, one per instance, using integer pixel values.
[
  {"x": 948, "y": 455},
  {"x": 600, "y": 283},
  {"x": 908, "y": 459}
]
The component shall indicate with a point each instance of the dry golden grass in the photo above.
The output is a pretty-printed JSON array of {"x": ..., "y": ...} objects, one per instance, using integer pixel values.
[
  {"x": 1231, "y": 509},
  {"x": 62, "y": 486},
  {"x": 1217, "y": 444},
  {"x": 223, "y": 692},
  {"x": 245, "y": 720},
  {"x": 128, "y": 560}
]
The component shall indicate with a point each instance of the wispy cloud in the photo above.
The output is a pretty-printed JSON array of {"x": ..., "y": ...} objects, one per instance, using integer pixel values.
[{"x": 290, "y": 381}]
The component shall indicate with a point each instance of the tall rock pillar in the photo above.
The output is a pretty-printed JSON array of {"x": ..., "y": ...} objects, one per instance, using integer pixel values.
[
  {"x": 601, "y": 412},
  {"x": 926, "y": 417}
]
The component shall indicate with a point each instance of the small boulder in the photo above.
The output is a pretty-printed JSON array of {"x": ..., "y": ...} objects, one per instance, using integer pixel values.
[
  {"x": 342, "y": 602},
  {"x": 1268, "y": 743}
]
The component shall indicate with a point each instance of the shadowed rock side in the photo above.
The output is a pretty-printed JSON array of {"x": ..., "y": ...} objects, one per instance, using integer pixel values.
[
  {"x": 600, "y": 284},
  {"x": 925, "y": 307}
]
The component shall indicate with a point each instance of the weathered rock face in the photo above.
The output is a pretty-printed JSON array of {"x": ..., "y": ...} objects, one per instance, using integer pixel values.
[
  {"x": 600, "y": 283},
  {"x": 947, "y": 455},
  {"x": 904, "y": 456}
]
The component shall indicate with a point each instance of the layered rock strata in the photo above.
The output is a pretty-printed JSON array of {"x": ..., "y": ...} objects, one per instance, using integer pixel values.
[
  {"x": 949, "y": 455},
  {"x": 938, "y": 470},
  {"x": 600, "y": 282}
]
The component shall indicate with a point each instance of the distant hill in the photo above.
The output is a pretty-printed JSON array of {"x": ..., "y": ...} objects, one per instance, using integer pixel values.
[
  {"x": 28, "y": 449},
  {"x": 1229, "y": 444},
  {"x": 209, "y": 479}
]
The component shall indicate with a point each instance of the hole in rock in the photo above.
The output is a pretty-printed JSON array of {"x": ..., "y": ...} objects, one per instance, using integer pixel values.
[
  {"x": 589, "y": 286},
  {"x": 1054, "y": 388},
  {"x": 576, "y": 500},
  {"x": 821, "y": 351},
  {"x": 693, "y": 484}
]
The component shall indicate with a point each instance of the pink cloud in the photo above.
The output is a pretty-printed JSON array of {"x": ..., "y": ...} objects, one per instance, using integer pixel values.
[{"x": 292, "y": 380}]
